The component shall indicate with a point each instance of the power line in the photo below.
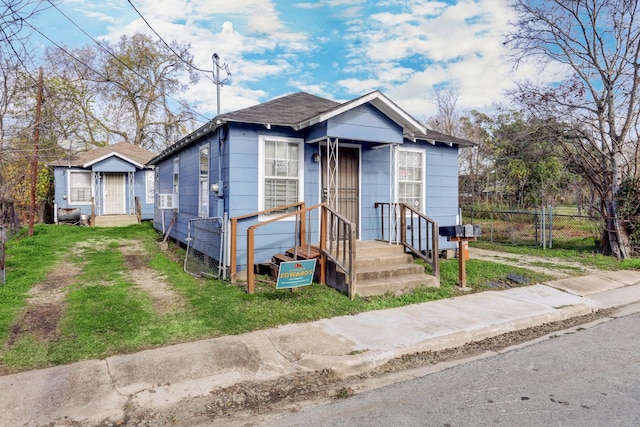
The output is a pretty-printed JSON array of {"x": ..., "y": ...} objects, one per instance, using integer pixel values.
[
  {"x": 166, "y": 44},
  {"x": 108, "y": 51},
  {"x": 120, "y": 61}
]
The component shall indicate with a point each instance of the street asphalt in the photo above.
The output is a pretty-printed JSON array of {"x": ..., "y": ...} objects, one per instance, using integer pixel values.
[{"x": 90, "y": 391}]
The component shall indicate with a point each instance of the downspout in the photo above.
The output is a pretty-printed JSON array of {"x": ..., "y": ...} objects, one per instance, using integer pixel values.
[{"x": 220, "y": 191}]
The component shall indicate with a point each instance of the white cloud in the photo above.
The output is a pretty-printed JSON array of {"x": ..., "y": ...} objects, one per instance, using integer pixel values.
[{"x": 405, "y": 48}]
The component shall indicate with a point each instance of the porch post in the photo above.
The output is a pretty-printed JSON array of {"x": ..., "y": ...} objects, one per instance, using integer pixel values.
[
  {"x": 131, "y": 185},
  {"x": 332, "y": 177},
  {"x": 393, "y": 194},
  {"x": 96, "y": 192}
]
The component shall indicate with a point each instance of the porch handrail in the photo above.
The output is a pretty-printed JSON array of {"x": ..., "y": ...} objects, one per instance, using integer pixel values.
[
  {"x": 343, "y": 234},
  {"x": 233, "y": 232},
  {"x": 251, "y": 237},
  {"x": 422, "y": 229}
]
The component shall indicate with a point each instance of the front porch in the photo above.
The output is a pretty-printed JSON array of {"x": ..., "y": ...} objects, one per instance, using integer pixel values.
[
  {"x": 380, "y": 268},
  {"x": 357, "y": 268}
]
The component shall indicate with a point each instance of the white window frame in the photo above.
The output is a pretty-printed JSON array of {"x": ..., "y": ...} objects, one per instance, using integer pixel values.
[
  {"x": 70, "y": 199},
  {"x": 203, "y": 183},
  {"x": 150, "y": 186},
  {"x": 423, "y": 179},
  {"x": 175, "y": 183},
  {"x": 262, "y": 175}
]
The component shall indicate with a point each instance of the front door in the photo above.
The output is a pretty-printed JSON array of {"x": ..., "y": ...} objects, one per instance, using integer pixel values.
[
  {"x": 114, "y": 194},
  {"x": 347, "y": 202}
]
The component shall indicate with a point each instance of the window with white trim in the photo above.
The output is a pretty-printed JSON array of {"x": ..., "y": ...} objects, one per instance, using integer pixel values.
[
  {"x": 150, "y": 181},
  {"x": 79, "y": 188},
  {"x": 411, "y": 178},
  {"x": 176, "y": 175},
  {"x": 281, "y": 171},
  {"x": 204, "y": 182}
]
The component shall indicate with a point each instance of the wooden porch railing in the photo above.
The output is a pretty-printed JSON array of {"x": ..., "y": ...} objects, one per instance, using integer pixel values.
[
  {"x": 337, "y": 241},
  {"x": 233, "y": 232},
  {"x": 418, "y": 232},
  {"x": 339, "y": 236},
  {"x": 300, "y": 214}
]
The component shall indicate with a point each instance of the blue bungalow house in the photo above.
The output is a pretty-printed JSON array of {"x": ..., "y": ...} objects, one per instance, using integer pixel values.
[
  {"x": 379, "y": 172},
  {"x": 110, "y": 185}
]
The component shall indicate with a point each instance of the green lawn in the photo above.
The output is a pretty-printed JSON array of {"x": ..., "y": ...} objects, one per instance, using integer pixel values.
[{"x": 99, "y": 309}]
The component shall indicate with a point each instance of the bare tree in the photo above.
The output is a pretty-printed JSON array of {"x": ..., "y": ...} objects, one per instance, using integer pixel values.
[
  {"x": 447, "y": 117},
  {"x": 126, "y": 92},
  {"x": 597, "y": 43}
]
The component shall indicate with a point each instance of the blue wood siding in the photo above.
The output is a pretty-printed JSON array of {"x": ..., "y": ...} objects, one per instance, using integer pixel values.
[
  {"x": 442, "y": 186},
  {"x": 113, "y": 164},
  {"x": 61, "y": 175},
  {"x": 375, "y": 187},
  {"x": 61, "y": 197},
  {"x": 364, "y": 126},
  {"x": 140, "y": 190},
  {"x": 364, "y": 123}
]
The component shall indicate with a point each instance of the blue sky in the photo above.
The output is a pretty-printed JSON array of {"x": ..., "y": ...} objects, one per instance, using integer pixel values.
[{"x": 337, "y": 49}]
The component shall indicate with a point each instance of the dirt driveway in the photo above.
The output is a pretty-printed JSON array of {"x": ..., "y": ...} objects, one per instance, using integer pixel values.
[
  {"x": 46, "y": 305},
  {"x": 557, "y": 268}
]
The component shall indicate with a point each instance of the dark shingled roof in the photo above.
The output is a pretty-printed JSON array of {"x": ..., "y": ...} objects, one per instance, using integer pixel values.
[
  {"x": 124, "y": 149},
  {"x": 288, "y": 110},
  {"x": 296, "y": 111}
]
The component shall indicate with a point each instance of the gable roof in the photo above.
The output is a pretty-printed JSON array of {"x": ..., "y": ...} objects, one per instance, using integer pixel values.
[
  {"x": 301, "y": 110},
  {"x": 128, "y": 152}
]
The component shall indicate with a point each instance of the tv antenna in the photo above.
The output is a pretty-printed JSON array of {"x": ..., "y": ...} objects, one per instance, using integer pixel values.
[{"x": 216, "y": 77}]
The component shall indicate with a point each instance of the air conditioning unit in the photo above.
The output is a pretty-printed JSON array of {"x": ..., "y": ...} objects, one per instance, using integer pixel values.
[{"x": 167, "y": 201}]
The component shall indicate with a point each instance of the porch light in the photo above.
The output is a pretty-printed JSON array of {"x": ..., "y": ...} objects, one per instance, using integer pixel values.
[{"x": 315, "y": 157}]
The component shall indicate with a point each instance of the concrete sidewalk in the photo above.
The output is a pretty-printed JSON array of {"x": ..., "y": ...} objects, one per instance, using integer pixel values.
[{"x": 94, "y": 390}]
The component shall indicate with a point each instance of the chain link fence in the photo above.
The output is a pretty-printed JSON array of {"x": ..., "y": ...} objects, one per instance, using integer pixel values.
[
  {"x": 205, "y": 247},
  {"x": 536, "y": 228}
]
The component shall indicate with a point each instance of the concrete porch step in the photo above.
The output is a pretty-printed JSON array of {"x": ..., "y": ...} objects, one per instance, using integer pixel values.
[
  {"x": 387, "y": 271},
  {"x": 395, "y": 285},
  {"x": 115, "y": 220},
  {"x": 382, "y": 268}
]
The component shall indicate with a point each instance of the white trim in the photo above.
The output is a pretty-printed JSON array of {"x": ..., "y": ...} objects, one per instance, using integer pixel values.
[
  {"x": 423, "y": 195},
  {"x": 175, "y": 186},
  {"x": 70, "y": 201},
  {"x": 106, "y": 156},
  {"x": 147, "y": 173},
  {"x": 124, "y": 192},
  {"x": 323, "y": 145},
  {"x": 206, "y": 196},
  {"x": 261, "y": 172},
  {"x": 410, "y": 126}
]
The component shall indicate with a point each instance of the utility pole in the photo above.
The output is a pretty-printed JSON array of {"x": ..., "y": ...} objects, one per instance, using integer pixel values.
[
  {"x": 216, "y": 78},
  {"x": 34, "y": 166}
]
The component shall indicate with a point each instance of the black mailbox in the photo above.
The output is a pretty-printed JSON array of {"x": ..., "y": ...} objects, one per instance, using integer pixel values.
[{"x": 467, "y": 230}]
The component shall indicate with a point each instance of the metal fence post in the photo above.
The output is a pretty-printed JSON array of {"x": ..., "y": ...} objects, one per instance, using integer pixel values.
[{"x": 550, "y": 227}]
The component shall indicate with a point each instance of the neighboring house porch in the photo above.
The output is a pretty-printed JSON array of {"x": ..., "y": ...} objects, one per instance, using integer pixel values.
[{"x": 109, "y": 186}]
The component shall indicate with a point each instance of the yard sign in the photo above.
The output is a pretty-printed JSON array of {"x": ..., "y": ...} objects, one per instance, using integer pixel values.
[{"x": 294, "y": 274}]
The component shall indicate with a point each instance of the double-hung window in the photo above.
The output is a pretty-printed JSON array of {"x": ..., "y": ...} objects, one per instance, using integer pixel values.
[
  {"x": 411, "y": 178},
  {"x": 150, "y": 181},
  {"x": 79, "y": 188},
  {"x": 281, "y": 171}
]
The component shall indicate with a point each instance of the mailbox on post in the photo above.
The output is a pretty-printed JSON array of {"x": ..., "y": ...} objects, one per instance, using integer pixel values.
[{"x": 461, "y": 234}]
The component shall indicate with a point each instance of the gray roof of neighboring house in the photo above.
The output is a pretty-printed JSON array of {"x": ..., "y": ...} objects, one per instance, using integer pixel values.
[
  {"x": 299, "y": 110},
  {"x": 129, "y": 152}
]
